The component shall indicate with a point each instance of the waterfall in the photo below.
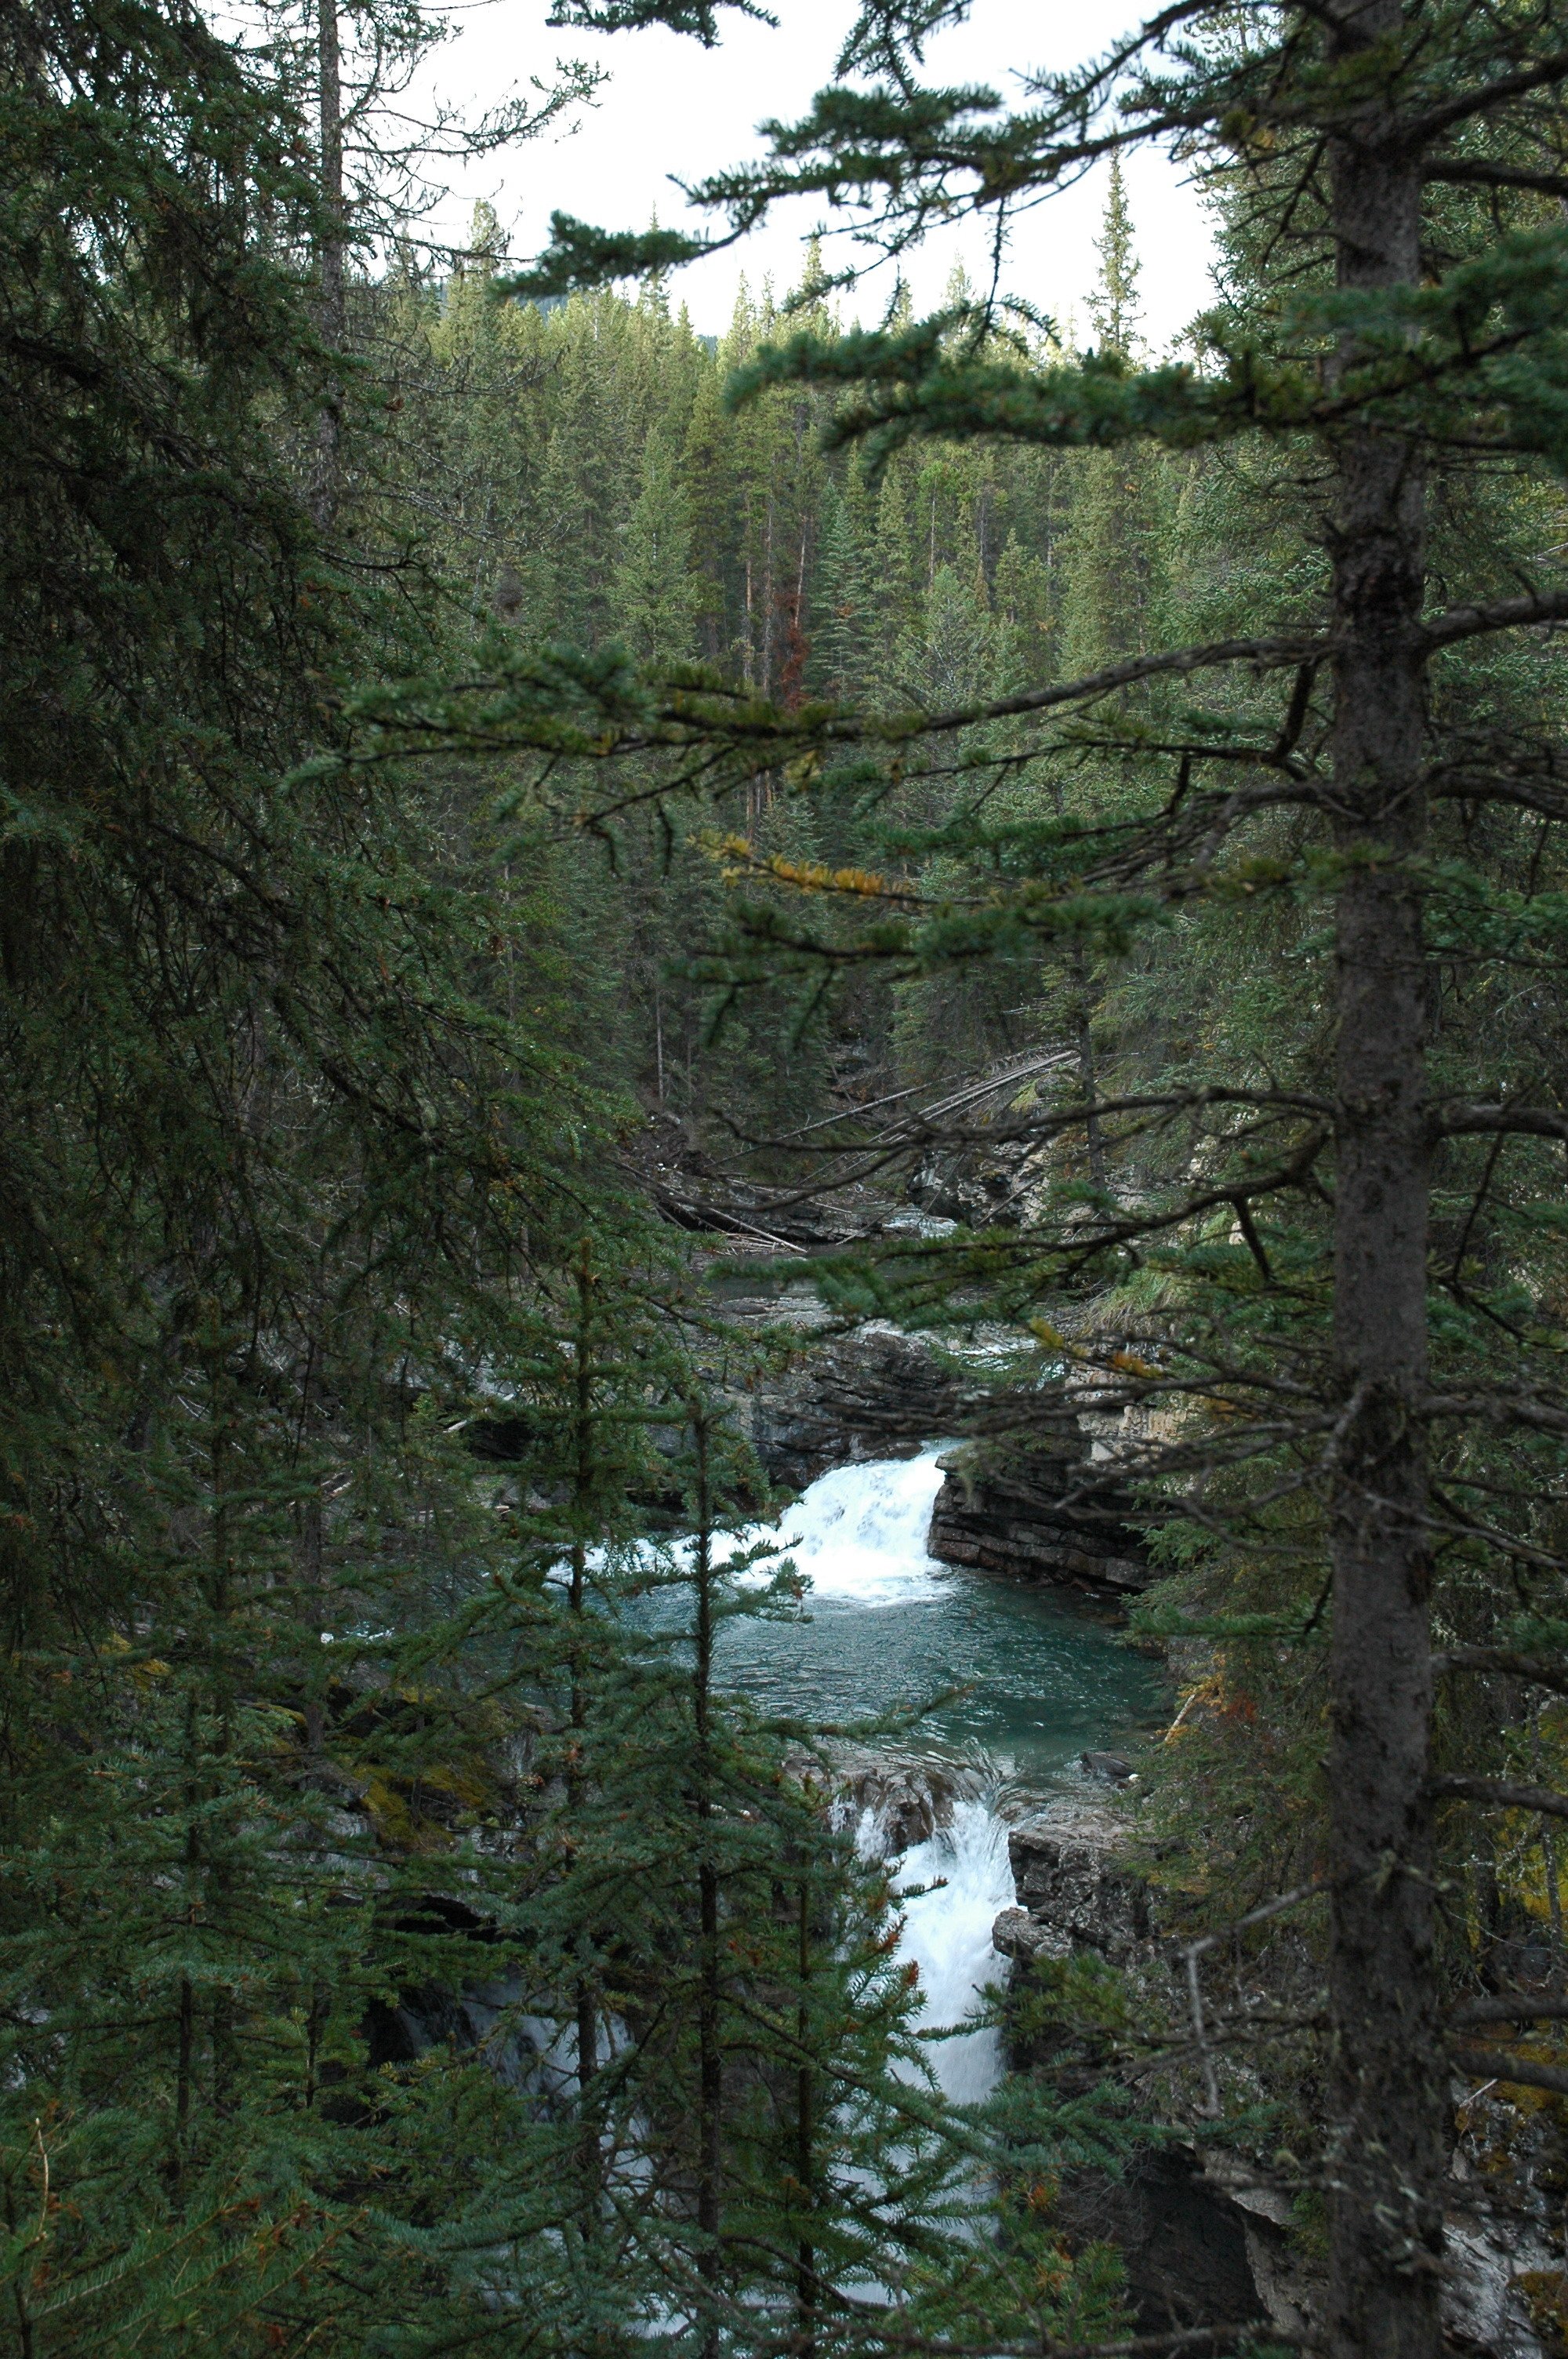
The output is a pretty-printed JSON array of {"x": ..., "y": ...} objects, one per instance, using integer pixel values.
[
  {"x": 859, "y": 1533},
  {"x": 886, "y": 1626},
  {"x": 947, "y": 1935}
]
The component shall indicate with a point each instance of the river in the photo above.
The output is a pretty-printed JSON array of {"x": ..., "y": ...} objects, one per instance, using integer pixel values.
[{"x": 889, "y": 1627}]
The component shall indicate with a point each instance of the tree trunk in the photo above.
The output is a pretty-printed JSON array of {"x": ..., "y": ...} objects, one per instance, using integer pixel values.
[
  {"x": 710, "y": 2062},
  {"x": 332, "y": 316},
  {"x": 1387, "y": 2154},
  {"x": 1089, "y": 1076},
  {"x": 805, "y": 2135},
  {"x": 586, "y": 2004}
]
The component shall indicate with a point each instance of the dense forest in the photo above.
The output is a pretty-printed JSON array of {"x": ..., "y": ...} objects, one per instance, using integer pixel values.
[
  {"x": 523, "y": 827},
  {"x": 585, "y": 484}
]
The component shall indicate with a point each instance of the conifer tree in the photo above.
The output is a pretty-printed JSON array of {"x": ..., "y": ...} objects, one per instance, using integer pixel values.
[
  {"x": 406, "y": 1936},
  {"x": 1394, "y": 173},
  {"x": 1111, "y": 551},
  {"x": 844, "y": 600},
  {"x": 251, "y": 1210}
]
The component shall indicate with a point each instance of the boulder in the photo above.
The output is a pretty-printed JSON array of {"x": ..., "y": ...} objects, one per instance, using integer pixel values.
[
  {"x": 908, "y": 1801},
  {"x": 1076, "y": 1890},
  {"x": 1039, "y": 1508},
  {"x": 874, "y": 1394},
  {"x": 1022, "y": 1938}
]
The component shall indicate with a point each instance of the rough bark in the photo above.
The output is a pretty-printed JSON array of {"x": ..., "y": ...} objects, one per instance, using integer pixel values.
[
  {"x": 332, "y": 314},
  {"x": 1386, "y": 2222},
  {"x": 711, "y": 2064},
  {"x": 586, "y": 2007},
  {"x": 805, "y": 2135}
]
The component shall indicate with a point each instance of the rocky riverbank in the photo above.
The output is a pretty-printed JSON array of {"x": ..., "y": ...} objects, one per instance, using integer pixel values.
[
  {"x": 1039, "y": 1508},
  {"x": 1211, "y": 2229},
  {"x": 1027, "y": 1489}
]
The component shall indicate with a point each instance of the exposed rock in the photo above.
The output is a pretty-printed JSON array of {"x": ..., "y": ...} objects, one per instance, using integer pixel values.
[
  {"x": 1495, "y": 2268},
  {"x": 981, "y": 1187},
  {"x": 1075, "y": 1886},
  {"x": 1507, "y": 2291},
  {"x": 1018, "y": 1935},
  {"x": 1185, "y": 2246},
  {"x": 875, "y": 1393},
  {"x": 1203, "y": 2232},
  {"x": 1046, "y": 1504},
  {"x": 1110, "y": 1768},
  {"x": 1039, "y": 1508},
  {"x": 1046, "y": 1501},
  {"x": 1183, "y": 2242},
  {"x": 908, "y": 1801}
]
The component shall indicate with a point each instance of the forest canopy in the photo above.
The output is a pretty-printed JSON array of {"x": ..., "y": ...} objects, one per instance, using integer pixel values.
[{"x": 516, "y": 817}]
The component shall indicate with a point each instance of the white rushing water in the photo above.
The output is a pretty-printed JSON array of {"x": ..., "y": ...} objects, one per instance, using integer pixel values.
[
  {"x": 859, "y": 1533},
  {"x": 948, "y": 1934},
  {"x": 1023, "y": 1686}
]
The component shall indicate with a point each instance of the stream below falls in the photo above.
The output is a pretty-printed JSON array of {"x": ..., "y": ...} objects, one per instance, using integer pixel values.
[{"x": 888, "y": 1628}]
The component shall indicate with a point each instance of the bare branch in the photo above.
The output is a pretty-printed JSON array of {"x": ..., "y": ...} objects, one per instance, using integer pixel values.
[
  {"x": 1514, "y": 2007},
  {"x": 1467, "y": 789},
  {"x": 1484, "y": 1121},
  {"x": 1497, "y": 1794},
  {"x": 1458, "y": 172},
  {"x": 1500, "y": 615},
  {"x": 1498, "y": 1408},
  {"x": 1272, "y": 654},
  {"x": 1183, "y": 2340},
  {"x": 1488, "y": 2064},
  {"x": 1504, "y": 1664}
]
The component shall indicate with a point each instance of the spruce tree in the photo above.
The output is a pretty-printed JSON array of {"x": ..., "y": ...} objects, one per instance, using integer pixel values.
[
  {"x": 1395, "y": 177},
  {"x": 269, "y": 1138}
]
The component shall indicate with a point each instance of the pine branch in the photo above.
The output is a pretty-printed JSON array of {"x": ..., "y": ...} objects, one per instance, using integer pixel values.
[
  {"x": 697, "y": 17},
  {"x": 580, "y": 256},
  {"x": 1542, "y": 73}
]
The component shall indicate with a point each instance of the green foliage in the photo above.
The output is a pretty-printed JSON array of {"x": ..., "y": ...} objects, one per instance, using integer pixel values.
[
  {"x": 580, "y": 255},
  {"x": 1185, "y": 836},
  {"x": 405, "y": 1939}
]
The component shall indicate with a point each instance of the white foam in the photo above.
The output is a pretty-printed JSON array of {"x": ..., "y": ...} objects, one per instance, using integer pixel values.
[
  {"x": 948, "y": 1934},
  {"x": 859, "y": 1533}
]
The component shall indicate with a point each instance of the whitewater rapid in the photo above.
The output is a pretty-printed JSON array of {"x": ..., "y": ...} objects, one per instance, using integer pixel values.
[
  {"x": 859, "y": 1532},
  {"x": 1000, "y": 1688},
  {"x": 947, "y": 1935}
]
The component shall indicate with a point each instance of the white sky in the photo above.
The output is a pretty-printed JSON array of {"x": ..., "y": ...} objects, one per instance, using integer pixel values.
[{"x": 672, "y": 107}]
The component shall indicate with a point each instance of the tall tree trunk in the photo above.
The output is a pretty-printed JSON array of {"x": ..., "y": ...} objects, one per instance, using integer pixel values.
[
  {"x": 804, "y": 2134},
  {"x": 586, "y": 2003},
  {"x": 332, "y": 314},
  {"x": 1386, "y": 2220},
  {"x": 1088, "y": 1076},
  {"x": 710, "y": 2060}
]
